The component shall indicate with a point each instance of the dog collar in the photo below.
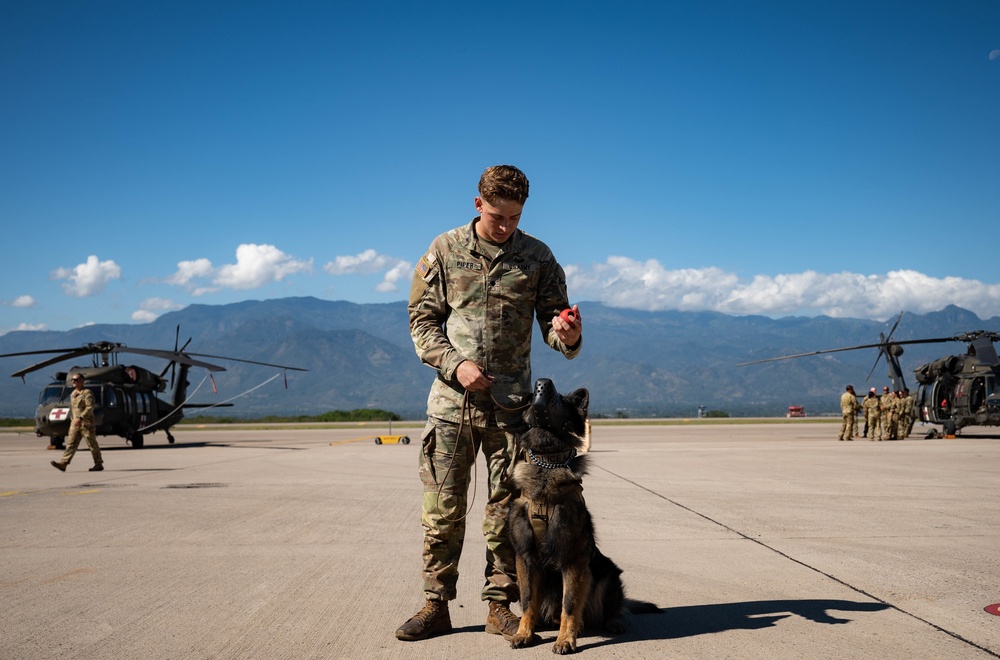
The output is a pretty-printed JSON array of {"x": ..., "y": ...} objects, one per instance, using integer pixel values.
[{"x": 551, "y": 466}]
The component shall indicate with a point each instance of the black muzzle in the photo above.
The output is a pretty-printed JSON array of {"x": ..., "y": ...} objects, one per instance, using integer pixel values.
[{"x": 547, "y": 409}]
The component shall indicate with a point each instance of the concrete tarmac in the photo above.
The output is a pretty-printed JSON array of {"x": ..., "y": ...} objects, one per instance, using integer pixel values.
[{"x": 756, "y": 540}]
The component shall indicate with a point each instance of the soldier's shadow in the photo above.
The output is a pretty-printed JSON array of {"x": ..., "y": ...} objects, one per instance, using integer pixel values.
[{"x": 679, "y": 622}]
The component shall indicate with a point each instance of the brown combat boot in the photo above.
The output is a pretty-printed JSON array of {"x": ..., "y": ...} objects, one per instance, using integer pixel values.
[
  {"x": 501, "y": 621},
  {"x": 431, "y": 620}
]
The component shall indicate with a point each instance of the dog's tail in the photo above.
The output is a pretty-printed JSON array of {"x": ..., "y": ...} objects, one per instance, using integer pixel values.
[{"x": 641, "y": 606}]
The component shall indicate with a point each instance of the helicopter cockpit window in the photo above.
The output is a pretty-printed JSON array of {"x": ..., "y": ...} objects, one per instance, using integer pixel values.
[
  {"x": 992, "y": 392},
  {"x": 977, "y": 395},
  {"x": 97, "y": 391},
  {"x": 110, "y": 398},
  {"x": 53, "y": 394}
]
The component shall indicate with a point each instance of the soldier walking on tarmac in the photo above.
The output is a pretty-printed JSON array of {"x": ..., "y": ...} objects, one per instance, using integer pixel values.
[{"x": 81, "y": 403}]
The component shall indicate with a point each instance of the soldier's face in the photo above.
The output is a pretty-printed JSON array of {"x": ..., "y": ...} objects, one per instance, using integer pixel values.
[{"x": 497, "y": 222}]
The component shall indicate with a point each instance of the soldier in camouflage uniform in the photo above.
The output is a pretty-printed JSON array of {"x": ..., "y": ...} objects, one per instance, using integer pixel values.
[
  {"x": 892, "y": 423},
  {"x": 909, "y": 402},
  {"x": 474, "y": 297},
  {"x": 870, "y": 405},
  {"x": 81, "y": 403},
  {"x": 884, "y": 405},
  {"x": 849, "y": 411}
]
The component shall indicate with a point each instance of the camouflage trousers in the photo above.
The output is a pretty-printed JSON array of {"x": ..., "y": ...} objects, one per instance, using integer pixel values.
[
  {"x": 891, "y": 425},
  {"x": 76, "y": 432},
  {"x": 872, "y": 422},
  {"x": 446, "y": 462},
  {"x": 847, "y": 426},
  {"x": 880, "y": 431}
]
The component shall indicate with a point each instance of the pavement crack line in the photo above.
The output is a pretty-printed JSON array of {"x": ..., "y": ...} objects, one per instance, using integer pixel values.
[{"x": 803, "y": 564}]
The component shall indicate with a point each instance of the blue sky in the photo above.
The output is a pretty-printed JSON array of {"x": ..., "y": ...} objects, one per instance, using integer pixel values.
[{"x": 778, "y": 158}]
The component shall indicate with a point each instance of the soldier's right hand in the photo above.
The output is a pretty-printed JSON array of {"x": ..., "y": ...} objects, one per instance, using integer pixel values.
[{"x": 471, "y": 377}]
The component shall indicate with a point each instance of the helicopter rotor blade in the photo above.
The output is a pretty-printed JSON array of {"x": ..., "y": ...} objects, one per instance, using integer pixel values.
[
  {"x": 177, "y": 356},
  {"x": 55, "y": 360},
  {"x": 935, "y": 340},
  {"x": 183, "y": 358},
  {"x": 263, "y": 364},
  {"x": 74, "y": 349},
  {"x": 894, "y": 326},
  {"x": 881, "y": 352}
]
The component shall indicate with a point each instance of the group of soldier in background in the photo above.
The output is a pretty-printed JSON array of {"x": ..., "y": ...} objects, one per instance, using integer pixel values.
[{"x": 887, "y": 417}]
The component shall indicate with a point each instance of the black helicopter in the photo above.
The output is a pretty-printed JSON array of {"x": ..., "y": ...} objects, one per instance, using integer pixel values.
[
  {"x": 126, "y": 398},
  {"x": 954, "y": 391}
]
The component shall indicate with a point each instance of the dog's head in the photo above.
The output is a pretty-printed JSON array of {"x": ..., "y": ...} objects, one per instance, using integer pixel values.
[{"x": 555, "y": 422}]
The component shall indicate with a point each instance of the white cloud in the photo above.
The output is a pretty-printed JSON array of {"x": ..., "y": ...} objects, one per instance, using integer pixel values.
[
  {"x": 150, "y": 309},
  {"x": 624, "y": 282},
  {"x": 23, "y": 301},
  {"x": 370, "y": 262},
  {"x": 401, "y": 271},
  {"x": 365, "y": 263},
  {"x": 189, "y": 270},
  {"x": 256, "y": 265},
  {"x": 32, "y": 326},
  {"x": 144, "y": 316},
  {"x": 88, "y": 279}
]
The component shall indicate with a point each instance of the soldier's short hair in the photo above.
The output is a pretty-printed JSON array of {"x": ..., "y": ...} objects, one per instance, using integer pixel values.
[{"x": 503, "y": 182}]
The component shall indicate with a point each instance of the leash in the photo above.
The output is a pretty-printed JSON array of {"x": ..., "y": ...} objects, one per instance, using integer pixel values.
[{"x": 466, "y": 413}]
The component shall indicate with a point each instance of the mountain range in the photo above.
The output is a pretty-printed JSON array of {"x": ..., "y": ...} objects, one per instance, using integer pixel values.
[{"x": 635, "y": 363}]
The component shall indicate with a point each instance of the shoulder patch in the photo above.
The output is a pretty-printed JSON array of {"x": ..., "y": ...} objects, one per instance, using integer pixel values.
[{"x": 425, "y": 265}]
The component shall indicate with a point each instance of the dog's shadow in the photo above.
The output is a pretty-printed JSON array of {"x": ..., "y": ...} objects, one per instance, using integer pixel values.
[{"x": 693, "y": 620}]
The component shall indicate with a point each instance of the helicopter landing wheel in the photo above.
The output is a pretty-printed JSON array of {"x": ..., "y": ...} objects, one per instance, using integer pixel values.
[
  {"x": 136, "y": 439},
  {"x": 170, "y": 438}
]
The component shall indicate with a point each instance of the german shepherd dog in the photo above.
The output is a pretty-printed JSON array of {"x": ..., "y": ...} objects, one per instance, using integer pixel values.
[{"x": 562, "y": 576}]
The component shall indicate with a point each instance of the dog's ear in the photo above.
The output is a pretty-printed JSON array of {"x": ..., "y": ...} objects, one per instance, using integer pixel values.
[{"x": 580, "y": 400}]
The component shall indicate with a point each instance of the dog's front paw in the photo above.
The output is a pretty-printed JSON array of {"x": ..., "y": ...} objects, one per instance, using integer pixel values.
[
  {"x": 523, "y": 641},
  {"x": 564, "y": 646}
]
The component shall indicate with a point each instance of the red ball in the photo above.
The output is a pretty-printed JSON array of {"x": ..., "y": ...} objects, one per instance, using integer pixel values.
[{"x": 568, "y": 315}]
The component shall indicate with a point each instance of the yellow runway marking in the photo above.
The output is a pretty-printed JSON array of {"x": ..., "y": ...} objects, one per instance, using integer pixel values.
[
  {"x": 85, "y": 492},
  {"x": 10, "y": 492},
  {"x": 344, "y": 442}
]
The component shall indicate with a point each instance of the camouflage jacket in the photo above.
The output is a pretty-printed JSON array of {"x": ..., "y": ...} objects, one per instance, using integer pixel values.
[
  {"x": 908, "y": 404},
  {"x": 848, "y": 403},
  {"x": 82, "y": 404},
  {"x": 870, "y": 404},
  {"x": 463, "y": 306}
]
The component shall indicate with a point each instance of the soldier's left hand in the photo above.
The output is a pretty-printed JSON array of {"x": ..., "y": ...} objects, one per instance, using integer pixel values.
[{"x": 568, "y": 333}]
